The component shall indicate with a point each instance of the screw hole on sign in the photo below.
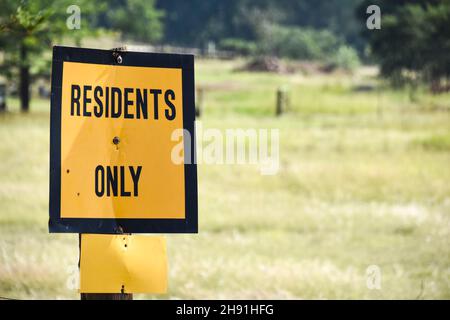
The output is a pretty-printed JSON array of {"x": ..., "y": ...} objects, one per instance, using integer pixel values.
[
  {"x": 78, "y": 194},
  {"x": 68, "y": 171},
  {"x": 123, "y": 289}
]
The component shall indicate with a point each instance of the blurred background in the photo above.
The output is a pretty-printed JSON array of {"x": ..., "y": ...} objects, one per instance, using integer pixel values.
[{"x": 360, "y": 206}]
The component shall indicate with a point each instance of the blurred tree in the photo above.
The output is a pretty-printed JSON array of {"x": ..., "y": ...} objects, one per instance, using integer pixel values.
[
  {"x": 135, "y": 19},
  {"x": 345, "y": 58},
  {"x": 28, "y": 28},
  {"x": 298, "y": 43},
  {"x": 413, "y": 42},
  {"x": 196, "y": 22},
  {"x": 335, "y": 16}
]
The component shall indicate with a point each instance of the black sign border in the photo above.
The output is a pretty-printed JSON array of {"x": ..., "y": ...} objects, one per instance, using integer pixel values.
[{"x": 113, "y": 225}]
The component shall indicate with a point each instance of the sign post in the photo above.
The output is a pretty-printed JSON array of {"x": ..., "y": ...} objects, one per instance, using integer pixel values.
[{"x": 114, "y": 115}]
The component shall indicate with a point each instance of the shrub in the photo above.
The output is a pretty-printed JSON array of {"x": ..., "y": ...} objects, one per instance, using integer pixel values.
[
  {"x": 435, "y": 143},
  {"x": 298, "y": 43},
  {"x": 345, "y": 58},
  {"x": 239, "y": 46}
]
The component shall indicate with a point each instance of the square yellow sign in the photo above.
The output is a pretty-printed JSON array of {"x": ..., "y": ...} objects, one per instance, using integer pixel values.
[
  {"x": 116, "y": 127},
  {"x": 122, "y": 142}
]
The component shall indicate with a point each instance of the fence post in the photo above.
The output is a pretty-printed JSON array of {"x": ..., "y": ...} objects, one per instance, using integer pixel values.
[
  {"x": 2, "y": 96},
  {"x": 282, "y": 100},
  {"x": 199, "y": 102}
]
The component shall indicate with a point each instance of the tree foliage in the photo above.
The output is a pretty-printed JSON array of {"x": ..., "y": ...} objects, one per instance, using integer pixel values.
[
  {"x": 134, "y": 19},
  {"x": 196, "y": 22},
  {"x": 299, "y": 43},
  {"x": 28, "y": 28},
  {"x": 414, "y": 41}
]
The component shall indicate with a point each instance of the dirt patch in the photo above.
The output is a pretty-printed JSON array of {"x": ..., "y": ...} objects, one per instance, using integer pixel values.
[
  {"x": 267, "y": 64},
  {"x": 275, "y": 65}
]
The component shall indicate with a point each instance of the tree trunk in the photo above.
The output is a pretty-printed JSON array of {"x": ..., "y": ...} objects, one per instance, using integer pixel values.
[{"x": 24, "y": 79}]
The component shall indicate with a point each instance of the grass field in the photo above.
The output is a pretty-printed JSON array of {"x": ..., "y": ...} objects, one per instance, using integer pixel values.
[{"x": 364, "y": 180}]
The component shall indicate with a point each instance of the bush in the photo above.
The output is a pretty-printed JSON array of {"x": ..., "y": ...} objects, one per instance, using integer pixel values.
[
  {"x": 239, "y": 46},
  {"x": 435, "y": 143},
  {"x": 345, "y": 58},
  {"x": 298, "y": 43}
]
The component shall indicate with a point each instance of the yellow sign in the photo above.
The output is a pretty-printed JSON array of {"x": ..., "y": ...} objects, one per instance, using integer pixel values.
[
  {"x": 122, "y": 263},
  {"x": 134, "y": 178},
  {"x": 112, "y": 126}
]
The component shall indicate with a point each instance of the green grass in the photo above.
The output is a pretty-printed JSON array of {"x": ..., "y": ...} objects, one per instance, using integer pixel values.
[
  {"x": 436, "y": 142},
  {"x": 363, "y": 180}
]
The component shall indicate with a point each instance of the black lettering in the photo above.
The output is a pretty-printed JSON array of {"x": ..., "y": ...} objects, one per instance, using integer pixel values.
[
  {"x": 98, "y": 109},
  {"x": 135, "y": 176},
  {"x": 99, "y": 182},
  {"x": 107, "y": 102},
  {"x": 123, "y": 193},
  {"x": 156, "y": 93},
  {"x": 141, "y": 104},
  {"x": 111, "y": 180},
  {"x": 75, "y": 99},
  {"x": 168, "y": 96},
  {"x": 86, "y": 100},
  {"x": 127, "y": 103},
  {"x": 116, "y": 104}
]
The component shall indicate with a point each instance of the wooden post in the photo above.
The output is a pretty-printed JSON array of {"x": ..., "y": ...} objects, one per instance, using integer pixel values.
[
  {"x": 24, "y": 70},
  {"x": 107, "y": 296},
  {"x": 101, "y": 296},
  {"x": 282, "y": 101},
  {"x": 2, "y": 97},
  {"x": 199, "y": 102}
]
